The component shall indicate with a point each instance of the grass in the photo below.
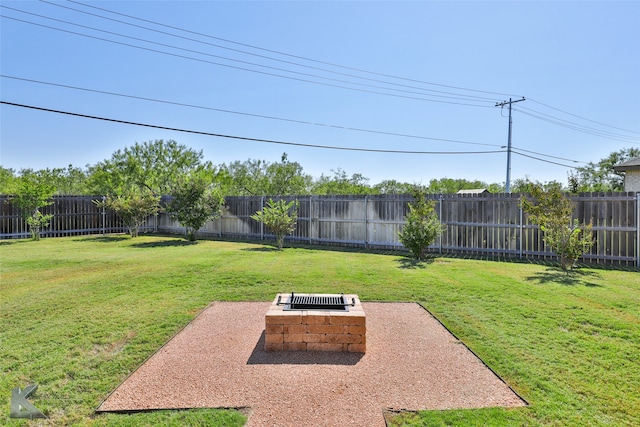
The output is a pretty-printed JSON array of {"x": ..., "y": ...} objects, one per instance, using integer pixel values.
[{"x": 77, "y": 315}]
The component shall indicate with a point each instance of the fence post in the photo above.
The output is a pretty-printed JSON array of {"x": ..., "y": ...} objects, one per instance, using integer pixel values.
[
  {"x": 261, "y": 223},
  {"x": 521, "y": 230},
  {"x": 637, "y": 229},
  {"x": 310, "y": 225},
  {"x": 104, "y": 215},
  {"x": 366, "y": 223},
  {"x": 440, "y": 218}
]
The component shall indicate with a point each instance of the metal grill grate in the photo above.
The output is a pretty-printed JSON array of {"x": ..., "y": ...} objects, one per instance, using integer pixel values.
[{"x": 317, "y": 302}]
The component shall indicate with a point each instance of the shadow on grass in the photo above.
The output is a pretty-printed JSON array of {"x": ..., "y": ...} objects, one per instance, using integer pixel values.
[
  {"x": 313, "y": 246},
  {"x": 567, "y": 278},
  {"x": 261, "y": 357},
  {"x": 103, "y": 239},
  {"x": 268, "y": 247},
  {"x": 173, "y": 243},
  {"x": 261, "y": 249},
  {"x": 12, "y": 242},
  {"x": 414, "y": 264}
]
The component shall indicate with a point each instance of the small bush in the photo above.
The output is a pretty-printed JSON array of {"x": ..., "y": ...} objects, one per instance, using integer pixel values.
[
  {"x": 422, "y": 226},
  {"x": 280, "y": 217},
  {"x": 195, "y": 202},
  {"x": 553, "y": 211},
  {"x": 133, "y": 207}
]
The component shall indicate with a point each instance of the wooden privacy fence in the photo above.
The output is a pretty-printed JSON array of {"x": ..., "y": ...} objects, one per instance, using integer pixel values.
[
  {"x": 492, "y": 224},
  {"x": 72, "y": 216},
  {"x": 489, "y": 224}
]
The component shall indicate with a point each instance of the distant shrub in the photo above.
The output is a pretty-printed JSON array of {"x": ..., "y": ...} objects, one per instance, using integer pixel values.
[
  {"x": 33, "y": 192},
  {"x": 133, "y": 207},
  {"x": 280, "y": 217},
  {"x": 422, "y": 226},
  {"x": 553, "y": 211},
  {"x": 195, "y": 202}
]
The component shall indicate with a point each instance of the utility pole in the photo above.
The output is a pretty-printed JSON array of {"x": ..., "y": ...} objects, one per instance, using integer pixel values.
[{"x": 502, "y": 104}]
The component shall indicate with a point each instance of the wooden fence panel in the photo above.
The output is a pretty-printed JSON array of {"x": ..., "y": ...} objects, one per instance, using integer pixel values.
[
  {"x": 384, "y": 218},
  {"x": 490, "y": 224},
  {"x": 72, "y": 215}
]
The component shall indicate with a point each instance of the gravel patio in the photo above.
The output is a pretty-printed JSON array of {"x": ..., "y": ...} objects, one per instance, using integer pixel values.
[{"x": 218, "y": 361}]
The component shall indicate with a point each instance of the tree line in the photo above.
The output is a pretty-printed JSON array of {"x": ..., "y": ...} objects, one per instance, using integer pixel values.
[
  {"x": 159, "y": 165},
  {"x": 134, "y": 179}
]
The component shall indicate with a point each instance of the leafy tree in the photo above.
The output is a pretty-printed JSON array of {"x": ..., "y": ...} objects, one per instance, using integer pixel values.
[
  {"x": 342, "y": 183},
  {"x": 553, "y": 211},
  {"x": 391, "y": 186},
  {"x": 33, "y": 192},
  {"x": 135, "y": 178},
  {"x": 133, "y": 207},
  {"x": 259, "y": 177},
  {"x": 422, "y": 225},
  {"x": 154, "y": 166},
  {"x": 600, "y": 176},
  {"x": 496, "y": 188},
  {"x": 287, "y": 178},
  {"x": 70, "y": 180},
  {"x": 246, "y": 178},
  {"x": 65, "y": 181},
  {"x": 195, "y": 201},
  {"x": 525, "y": 185},
  {"x": 452, "y": 186},
  {"x": 8, "y": 181},
  {"x": 280, "y": 217}
]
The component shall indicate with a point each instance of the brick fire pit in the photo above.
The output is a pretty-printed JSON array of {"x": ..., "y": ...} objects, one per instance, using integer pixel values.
[{"x": 315, "y": 322}]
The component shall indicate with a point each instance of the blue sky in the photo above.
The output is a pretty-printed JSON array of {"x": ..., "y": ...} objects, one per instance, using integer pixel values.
[{"x": 412, "y": 80}]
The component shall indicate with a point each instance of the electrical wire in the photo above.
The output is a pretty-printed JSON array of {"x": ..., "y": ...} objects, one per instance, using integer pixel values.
[
  {"x": 576, "y": 125},
  {"x": 255, "y": 54},
  {"x": 369, "y": 150},
  {"x": 572, "y": 125},
  {"x": 338, "y": 65},
  {"x": 282, "y": 119},
  {"x": 583, "y": 118},
  {"x": 180, "y": 104},
  {"x": 541, "y": 116},
  {"x": 543, "y": 160},
  {"x": 288, "y": 54},
  {"x": 241, "y": 62},
  {"x": 297, "y": 144},
  {"x": 546, "y": 155},
  {"x": 578, "y": 128}
]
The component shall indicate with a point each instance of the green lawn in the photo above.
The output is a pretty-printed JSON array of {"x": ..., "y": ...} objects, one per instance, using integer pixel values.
[{"x": 77, "y": 315}]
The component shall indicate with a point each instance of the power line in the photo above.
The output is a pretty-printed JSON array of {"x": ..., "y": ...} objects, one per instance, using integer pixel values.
[
  {"x": 251, "y": 53},
  {"x": 546, "y": 155},
  {"x": 329, "y": 63},
  {"x": 288, "y": 54},
  {"x": 248, "y": 114},
  {"x": 543, "y": 160},
  {"x": 242, "y": 68},
  {"x": 456, "y": 95},
  {"x": 285, "y": 119},
  {"x": 297, "y": 144},
  {"x": 583, "y": 118},
  {"x": 579, "y": 128},
  {"x": 573, "y": 125},
  {"x": 463, "y": 98}
]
